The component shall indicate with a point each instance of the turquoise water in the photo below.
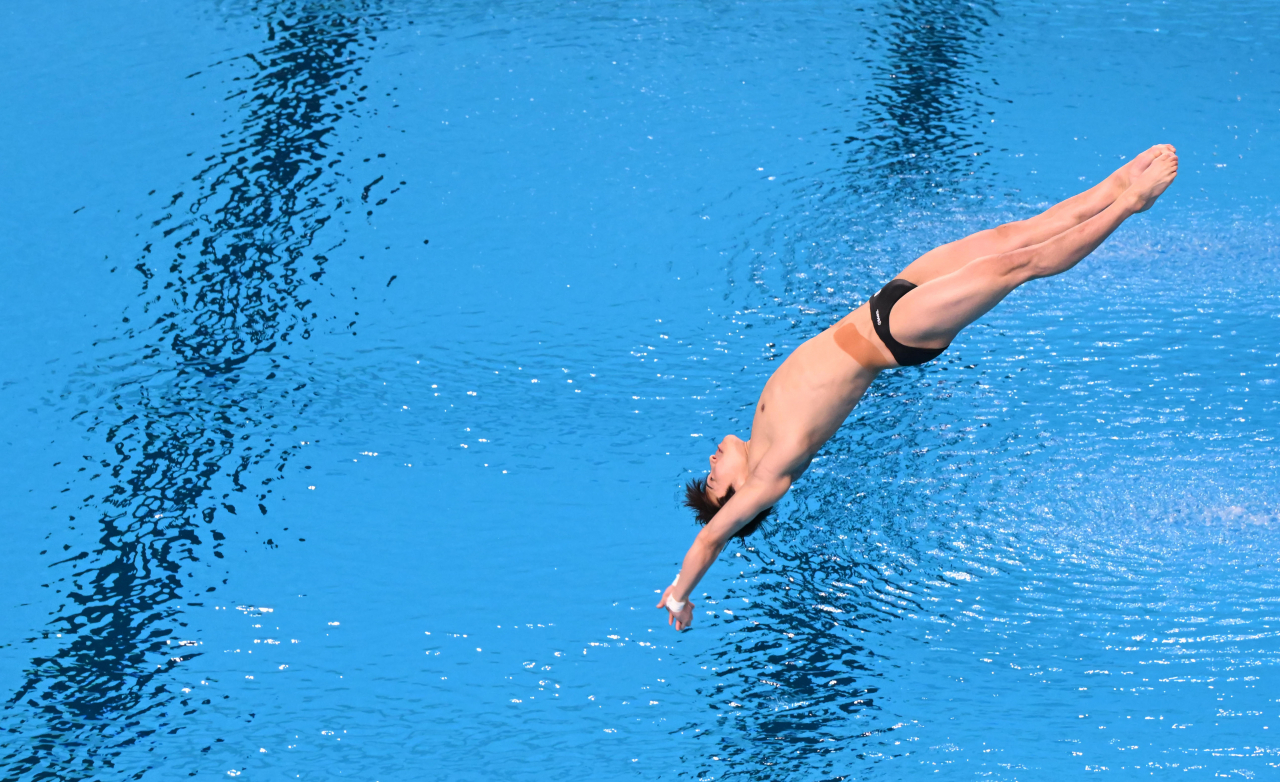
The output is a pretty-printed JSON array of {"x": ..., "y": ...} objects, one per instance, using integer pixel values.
[{"x": 356, "y": 353}]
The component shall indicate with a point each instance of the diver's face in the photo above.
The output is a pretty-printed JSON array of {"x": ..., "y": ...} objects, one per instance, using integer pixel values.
[{"x": 728, "y": 467}]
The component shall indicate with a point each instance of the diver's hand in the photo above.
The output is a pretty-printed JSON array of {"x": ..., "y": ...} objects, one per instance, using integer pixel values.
[{"x": 682, "y": 619}]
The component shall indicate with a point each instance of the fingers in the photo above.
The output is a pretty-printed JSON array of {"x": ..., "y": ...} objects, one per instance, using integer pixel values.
[
  {"x": 685, "y": 622},
  {"x": 680, "y": 622}
]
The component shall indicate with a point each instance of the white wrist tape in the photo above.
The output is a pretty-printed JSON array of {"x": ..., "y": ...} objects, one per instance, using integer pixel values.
[{"x": 673, "y": 605}]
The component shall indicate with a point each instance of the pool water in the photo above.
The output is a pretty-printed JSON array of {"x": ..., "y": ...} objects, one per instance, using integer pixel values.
[{"x": 355, "y": 354}]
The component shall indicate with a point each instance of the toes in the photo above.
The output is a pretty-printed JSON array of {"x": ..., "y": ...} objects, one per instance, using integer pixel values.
[
  {"x": 1157, "y": 150},
  {"x": 1145, "y": 158}
]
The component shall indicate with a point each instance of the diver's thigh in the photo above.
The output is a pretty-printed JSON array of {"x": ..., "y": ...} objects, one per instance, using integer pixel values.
[
  {"x": 1006, "y": 238},
  {"x": 932, "y": 314},
  {"x": 949, "y": 257}
]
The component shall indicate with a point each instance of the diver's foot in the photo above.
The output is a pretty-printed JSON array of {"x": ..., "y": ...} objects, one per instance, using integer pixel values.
[
  {"x": 1125, "y": 175},
  {"x": 1153, "y": 181}
]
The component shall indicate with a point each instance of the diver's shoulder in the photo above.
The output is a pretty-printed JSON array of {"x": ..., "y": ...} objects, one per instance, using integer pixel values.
[{"x": 784, "y": 458}]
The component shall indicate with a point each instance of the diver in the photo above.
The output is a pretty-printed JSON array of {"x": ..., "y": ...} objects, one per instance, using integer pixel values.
[{"x": 910, "y": 321}]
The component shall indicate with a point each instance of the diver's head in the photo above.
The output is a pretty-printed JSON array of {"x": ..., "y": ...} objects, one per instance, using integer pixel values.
[
  {"x": 729, "y": 469},
  {"x": 728, "y": 472}
]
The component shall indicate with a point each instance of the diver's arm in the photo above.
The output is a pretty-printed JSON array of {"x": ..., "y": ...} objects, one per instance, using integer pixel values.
[{"x": 758, "y": 493}]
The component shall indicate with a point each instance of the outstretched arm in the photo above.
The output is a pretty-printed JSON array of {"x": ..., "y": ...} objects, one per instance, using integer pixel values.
[{"x": 758, "y": 493}]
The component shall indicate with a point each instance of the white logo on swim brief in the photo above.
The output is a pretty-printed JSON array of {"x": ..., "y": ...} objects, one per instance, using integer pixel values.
[{"x": 878, "y": 318}]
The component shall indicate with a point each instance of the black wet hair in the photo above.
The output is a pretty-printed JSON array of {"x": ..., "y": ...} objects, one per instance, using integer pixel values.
[{"x": 695, "y": 496}]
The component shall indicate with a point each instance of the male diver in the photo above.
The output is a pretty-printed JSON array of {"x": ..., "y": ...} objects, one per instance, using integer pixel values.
[{"x": 910, "y": 321}]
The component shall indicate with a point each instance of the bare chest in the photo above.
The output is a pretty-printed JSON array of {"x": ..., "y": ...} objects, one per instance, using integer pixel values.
[{"x": 808, "y": 397}]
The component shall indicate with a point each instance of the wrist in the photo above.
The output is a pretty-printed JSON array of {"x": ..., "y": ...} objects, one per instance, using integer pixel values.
[{"x": 673, "y": 604}]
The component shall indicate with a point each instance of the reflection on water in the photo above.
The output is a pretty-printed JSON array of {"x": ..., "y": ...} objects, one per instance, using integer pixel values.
[
  {"x": 797, "y": 685},
  {"x": 195, "y": 401},
  {"x": 922, "y": 122}
]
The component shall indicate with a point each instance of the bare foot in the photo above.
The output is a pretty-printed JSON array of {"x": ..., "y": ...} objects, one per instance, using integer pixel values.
[
  {"x": 1126, "y": 174},
  {"x": 1153, "y": 181}
]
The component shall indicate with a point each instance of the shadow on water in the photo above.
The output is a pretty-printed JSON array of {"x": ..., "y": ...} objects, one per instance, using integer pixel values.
[
  {"x": 196, "y": 400},
  {"x": 799, "y": 680}
]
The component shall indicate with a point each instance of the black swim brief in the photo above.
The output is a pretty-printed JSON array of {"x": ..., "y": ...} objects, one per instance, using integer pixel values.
[{"x": 881, "y": 305}]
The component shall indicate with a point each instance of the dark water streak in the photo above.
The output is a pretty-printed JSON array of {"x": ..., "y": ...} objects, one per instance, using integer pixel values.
[
  {"x": 921, "y": 123},
  {"x": 200, "y": 418},
  {"x": 798, "y": 690}
]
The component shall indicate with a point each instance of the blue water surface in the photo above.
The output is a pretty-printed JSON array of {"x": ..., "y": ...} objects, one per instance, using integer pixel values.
[{"x": 355, "y": 352}]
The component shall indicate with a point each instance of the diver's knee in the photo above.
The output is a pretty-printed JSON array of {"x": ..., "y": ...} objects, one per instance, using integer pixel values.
[
  {"x": 1009, "y": 233},
  {"x": 1019, "y": 266}
]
